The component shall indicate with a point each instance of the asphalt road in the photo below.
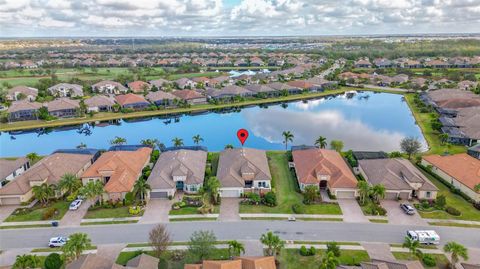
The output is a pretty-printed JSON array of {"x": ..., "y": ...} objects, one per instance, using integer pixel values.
[{"x": 241, "y": 230}]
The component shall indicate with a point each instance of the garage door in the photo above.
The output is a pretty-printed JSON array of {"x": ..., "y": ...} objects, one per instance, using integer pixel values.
[
  {"x": 158, "y": 194},
  {"x": 346, "y": 194},
  {"x": 10, "y": 201},
  {"x": 404, "y": 195},
  {"x": 391, "y": 195},
  {"x": 229, "y": 193}
]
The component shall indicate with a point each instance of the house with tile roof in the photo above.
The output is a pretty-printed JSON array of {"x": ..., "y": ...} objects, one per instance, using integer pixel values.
[
  {"x": 460, "y": 170},
  {"x": 400, "y": 178},
  {"x": 177, "y": 170},
  {"x": 325, "y": 169},
  {"x": 132, "y": 101},
  {"x": 109, "y": 87},
  {"x": 139, "y": 86},
  {"x": 118, "y": 171},
  {"x": 95, "y": 261},
  {"x": 161, "y": 98},
  {"x": 63, "y": 108},
  {"x": 23, "y": 110},
  {"x": 16, "y": 93},
  {"x": 99, "y": 103},
  {"x": 66, "y": 90},
  {"x": 243, "y": 170},
  {"x": 10, "y": 169},
  {"x": 191, "y": 97},
  {"x": 48, "y": 170},
  {"x": 243, "y": 262}
]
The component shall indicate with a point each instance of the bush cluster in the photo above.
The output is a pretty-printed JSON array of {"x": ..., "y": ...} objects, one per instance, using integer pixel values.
[
  {"x": 453, "y": 211},
  {"x": 298, "y": 209},
  {"x": 307, "y": 252},
  {"x": 429, "y": 260}
]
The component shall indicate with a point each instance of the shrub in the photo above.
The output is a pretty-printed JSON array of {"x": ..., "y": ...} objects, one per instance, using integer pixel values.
[
  {"x": 441, "y": 201},
  {"x": 453, "y": 211},
  {"x": 53, "y": 261},
  {"x": 270, "y": 199},
  {"x": 49, "y": 213},
  {"x": 304, "y": 251},
  {"x": 72, "y": 196},
  {"x": 134, "y": 210},
  {"x": 298, "y": 209},
  {"x": 253, "y": 197},
  {"x": 312, "y": 251},
  {"x": 334, "y": 248},
  {"x": 428, "y": 260}
]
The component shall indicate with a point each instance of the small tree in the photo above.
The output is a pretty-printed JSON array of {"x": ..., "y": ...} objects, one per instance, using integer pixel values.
[
  {"x": 93, "y": 190},
  {"x": 197, "y": 139},
  {"x": 336, "y": 145},
  {"x": 76, "y": 244},
  {"x": 441, "y": 201},
  {"x": 273, "y": 243},
  {"x": 363, "y": 191},
  {"x": 456, "y": 251},
  {"x": 118, "y": 141},
  {"x": 26, "y": 261},
  {"x": 310, "y": 194},
  {"x": 53, "y": 261},
  {"x": 329, "y": 261},
  {"x": 213, "y": 187},
  {"x": 334, "y": 248},
  {"x": 235, "y": 248},
  {"x": 82, "y": 145},
  {"x": 177, "y": 142},
  {"x": 202, "y": 245},
  {"x": 378, "y": 192},
  {"x": 69, "y": 183},
  {"x": 33, "y": 157},
  {"x": 287, "y": 137},
  {"x": 321, "y": 142},
  {"x": 159, "y": 239},
  {"x": 43, "y": 192},
  {"x": 141, "y": 187},
  {"x": 412, "y": 246},
  {"x": 411, "y": 146}
]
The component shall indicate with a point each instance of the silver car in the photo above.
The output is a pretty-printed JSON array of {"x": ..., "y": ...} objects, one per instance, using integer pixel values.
[{"x": 408, "y": 209}]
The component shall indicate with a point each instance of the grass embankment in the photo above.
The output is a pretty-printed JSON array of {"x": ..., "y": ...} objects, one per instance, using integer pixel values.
[
  {"x": 105, "y": 116},
  {"x": 36, "y": 212},
  {"x": 290, "y": 258},
  {"x": 287, "y": 191}
]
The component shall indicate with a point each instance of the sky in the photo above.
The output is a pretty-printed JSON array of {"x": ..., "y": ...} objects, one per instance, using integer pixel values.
[{"x": 50, "y": 18}]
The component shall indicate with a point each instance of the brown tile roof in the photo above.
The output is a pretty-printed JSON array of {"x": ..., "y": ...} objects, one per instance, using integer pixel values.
[
  {"x": 99, "y": 100},
  {"x": 310, "y": 162},
  {"x": 9, "y": 166},
  {"x": 463, "y": 167},
  {"x": 160, "y": 95},
  {"x": 187, "y": 94},
  {"x": 234, "y": 162},
  {"x": 125, "y": 168},
  {"x": 130, "y": 98},
  {"x": 143, "y": 261},
  {"x": 23, "y": 105},
  {"x": 393, "y": 173},
  {"x": 23, "y": 89},
  {"x": 139, "y": 86},
  {"x": 302, "y": 84},
  {"x": 52, "y": 168},
  {"x": 62, "y": 103},
  {"x": 267, "y": 262},
  {"x": 90, "y": 261},
  {"x": 237, "y": 263},
  {"x": 190, "y": 163}
]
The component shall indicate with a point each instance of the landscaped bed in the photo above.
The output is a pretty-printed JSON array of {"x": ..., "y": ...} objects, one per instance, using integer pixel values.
[
  {"x": 441, "y": 260},
  {"x": 291, "y": 258},
  {"x": 40, "y": 212},
  {"x": 117, "y": 212},
  {"x": 192, "y": 205},
  {"x": 287, "y": 192}
]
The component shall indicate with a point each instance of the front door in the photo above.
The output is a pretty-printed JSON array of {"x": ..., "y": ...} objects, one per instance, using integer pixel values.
[
  {"x": 323, "y": 184},
  {"x": 179, "y": 185}
]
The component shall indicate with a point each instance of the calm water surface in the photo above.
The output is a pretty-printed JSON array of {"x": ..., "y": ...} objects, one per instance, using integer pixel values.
[{"x": 364, "y": 121}]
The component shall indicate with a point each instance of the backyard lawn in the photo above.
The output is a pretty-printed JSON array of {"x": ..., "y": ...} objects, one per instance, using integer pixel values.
[
  {"x": 442, "y": 261},
  {"x": 468, "y": 211},
  {"x": 37, "y": 211},
  {"x": 286, "y": 188},
  {"x": 290, "y": 258},
  {"x": 102, "y": 213}
]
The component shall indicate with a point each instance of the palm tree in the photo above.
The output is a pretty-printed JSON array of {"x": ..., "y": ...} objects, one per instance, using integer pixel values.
[
  {"x": 273, "y": 243},
  {"x": 141, "y": 187},
  {"x": 321, "y": 142},
  {"x": 118, "y": 141},
  {"x": 412, "y": 245},
  {"x": 150, "y": 142},
  {"x": 26, "y": 261},
  {"x": 76, "y": 244},
  {"x": 378, "y": 192},
  {"x": 33, "y": 157},
  {"x": 197, "y": 139},
  {"x": 329, "y": 261},
  {"x": 363, "y": 191},
  {"x": 92, "y": 190},
  {"x": 177, "y": 142},
  {"x": 228, "y": 146},
  {"x": 287, "y": 137},
  {"x": 43, "y": 192},
  {"x": 456, "y": 251},
  {"x": 213, "y": 186},
  {"x": 82, "y": 146},
  {"x": 235, "y": 248},
  {"x": 69, "y": 183}
]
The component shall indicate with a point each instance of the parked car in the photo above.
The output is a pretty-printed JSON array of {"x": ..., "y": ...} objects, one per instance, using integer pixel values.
[
  {"x": 58, "y": 241},
  {"x": 292, "y": 218},
  {"x": 408, "y": 209},
  {"x": 75, "y": 204}
]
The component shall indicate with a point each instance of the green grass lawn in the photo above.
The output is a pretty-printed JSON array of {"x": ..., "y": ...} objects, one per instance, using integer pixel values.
[
  {"x": 468, "y": 211},
  {"x": 290, "y": 258},
  {"x": 101, "y": 213},
  {"x": 190, "y": 210},
  {"x": 442, "y": 261},
  {"x": 167, "y": 262},
  {"x": 423, "y": 120},
  {"x": 286, "y": 188},
  {"x": 36, "y": 212}
]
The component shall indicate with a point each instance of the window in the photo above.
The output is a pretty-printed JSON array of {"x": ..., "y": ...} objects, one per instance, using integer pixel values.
[{"x": 428, "y": 194}]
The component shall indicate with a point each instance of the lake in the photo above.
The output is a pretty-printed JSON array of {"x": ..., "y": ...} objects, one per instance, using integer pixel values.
[{"x": 364, "y": 121}]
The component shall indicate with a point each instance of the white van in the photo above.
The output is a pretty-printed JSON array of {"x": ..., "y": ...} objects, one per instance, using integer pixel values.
[{"x": 425, "y": 237}]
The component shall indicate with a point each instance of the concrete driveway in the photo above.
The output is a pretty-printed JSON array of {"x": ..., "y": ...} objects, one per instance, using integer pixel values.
[
  {"x": 380, "y": 251},
  {"x": 74, "y": 217},
  {"x": 157, "y": 211},
  {"x": 5, "y": 211},
  {"x": 351, "y": 211},
  {"x": 229, "y": 209},
  {"x": 396, "y": 215}
]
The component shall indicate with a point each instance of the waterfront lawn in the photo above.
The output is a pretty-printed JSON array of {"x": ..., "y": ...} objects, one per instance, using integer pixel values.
[
  {"x": 442, "y": 261},
  {"x": 291, "y": 258},
  {"x": 424, "y": 121},
  {"x": 166, "y": 261},
  {"x": 287, "y": 191},
  {"x": 468, "y": 211},
  {"x": 36, "y": 212},
  {"x": 103, "y": 213}
]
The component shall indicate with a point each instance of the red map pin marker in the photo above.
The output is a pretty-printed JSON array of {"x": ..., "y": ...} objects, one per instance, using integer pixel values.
[{"x": 242, "y": 135}]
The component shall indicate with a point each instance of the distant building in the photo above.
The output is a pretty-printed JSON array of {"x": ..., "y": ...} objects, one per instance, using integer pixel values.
[
  {"x": 66, "y": 90},
  {"x": 19, "y": 93}
]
